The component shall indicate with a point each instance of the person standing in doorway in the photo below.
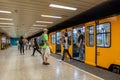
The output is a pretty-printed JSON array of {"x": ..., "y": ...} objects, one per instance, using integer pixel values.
[
  {"x": 66, "y": 47},
  {"x": 80, "y": 44},
  {"x": 35, "y": 47},
  {"x": 44, "y": 47},
  {"x": 21, "y": 43}
]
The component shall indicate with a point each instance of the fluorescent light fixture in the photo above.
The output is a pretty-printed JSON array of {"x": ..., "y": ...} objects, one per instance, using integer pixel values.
[
  {"x": 40, "y": 25},
  {"x": 6, "y": 26},
  {"x": 43, "y": 22},
  {"x": 6, "y": 19},
  {"x": 51, "y": 16},
  {"x": 1, "y": 11},
  {"x": 7, "y": 23},
  {"x": 62, "y": 7}
]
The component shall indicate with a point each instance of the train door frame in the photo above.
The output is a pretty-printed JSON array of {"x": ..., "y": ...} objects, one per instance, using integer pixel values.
[
  {"x": 70, "y": 36},
  {"x": 53, "y": 42},
  {"x": 90, "y": 48},
  {"x": 58, "y": 51},
  {"x": 74, "y": 44},
  {"x": 103, "y": 59}
]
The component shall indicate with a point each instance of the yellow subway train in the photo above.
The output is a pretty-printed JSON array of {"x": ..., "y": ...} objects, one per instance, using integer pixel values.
[{"x": 101, "y": 42}]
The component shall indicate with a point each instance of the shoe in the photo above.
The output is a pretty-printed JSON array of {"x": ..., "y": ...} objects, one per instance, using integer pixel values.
[
  {"x": 47, "y": 63},
  {"x": 44, "y": 63}
]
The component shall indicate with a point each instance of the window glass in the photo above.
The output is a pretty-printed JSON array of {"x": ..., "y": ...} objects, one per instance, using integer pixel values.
[
  {"x": 90, "y": 36},
  {"x": 103, "y": 35},
  {"x": 53, "y": 39},
  {"x": 58, "y": 37}
]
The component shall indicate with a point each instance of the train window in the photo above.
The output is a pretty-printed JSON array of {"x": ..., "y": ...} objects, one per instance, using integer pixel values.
[
  {"x": 69, "y": 36},
  {"x": 58, "y": 37},
  {"x": 53, "y": 39},
  {"x": 90, "y": 36},
  {"x": 103, "y": 35}
]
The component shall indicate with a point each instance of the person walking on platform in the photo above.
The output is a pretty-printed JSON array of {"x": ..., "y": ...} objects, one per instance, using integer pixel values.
[
  {"x": 21, "y": 43},
  {"x": 45, "y": 47},
  {"x": 36, "y": 47},
  {"x": 66, "y": 46}
]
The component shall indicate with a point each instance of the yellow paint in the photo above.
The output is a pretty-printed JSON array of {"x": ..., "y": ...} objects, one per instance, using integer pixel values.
[
  {"x": 89, "y": 50},
  {"x": 70, "y": 47},
  {"x": 62, "y": 48},
  {"x": 53, "y": 50},
  {"x": 108, "y": 56}
]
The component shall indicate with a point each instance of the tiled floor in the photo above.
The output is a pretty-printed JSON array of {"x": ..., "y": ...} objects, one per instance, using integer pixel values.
[{"x": 14, "y": 66}]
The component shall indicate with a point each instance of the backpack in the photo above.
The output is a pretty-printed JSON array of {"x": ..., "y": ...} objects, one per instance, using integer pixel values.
[{"x": 41, "y": 41}]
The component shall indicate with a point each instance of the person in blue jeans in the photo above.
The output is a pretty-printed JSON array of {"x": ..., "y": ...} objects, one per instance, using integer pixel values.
[{"x": 80, "y": 45}]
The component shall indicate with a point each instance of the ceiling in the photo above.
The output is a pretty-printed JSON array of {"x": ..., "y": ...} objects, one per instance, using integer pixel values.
[{"x": 25, "y": 13}]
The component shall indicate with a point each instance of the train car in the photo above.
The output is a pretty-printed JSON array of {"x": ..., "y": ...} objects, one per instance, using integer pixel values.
[
  {"x": 101, "y": 42},
  {"x": 52, "y": 41}
]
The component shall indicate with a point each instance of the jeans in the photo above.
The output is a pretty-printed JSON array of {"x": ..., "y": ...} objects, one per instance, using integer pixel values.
[{"x": 81, "y": 53}]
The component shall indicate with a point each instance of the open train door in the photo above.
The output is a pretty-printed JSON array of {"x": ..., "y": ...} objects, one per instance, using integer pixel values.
[
  {"x": 69, "y": 31},
  {"x": 53, "y": 42},
  {"x": 58, "y": 46},
  {"x": 90, "y": 43}
]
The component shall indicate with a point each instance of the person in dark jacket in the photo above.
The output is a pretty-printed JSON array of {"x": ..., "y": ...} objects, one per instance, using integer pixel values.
[
  {"x": 35, "y": 47},
  {"x": 21, "y": 43}
]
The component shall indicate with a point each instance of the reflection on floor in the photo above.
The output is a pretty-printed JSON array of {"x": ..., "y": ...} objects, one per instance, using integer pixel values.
[{"x": 14, "y": 66}]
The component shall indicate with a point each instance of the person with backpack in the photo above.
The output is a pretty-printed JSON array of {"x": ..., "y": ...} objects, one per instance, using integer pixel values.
[
  {"x": 45, "y": 47},
  {"x": 80, "y": 44},
  {"x": 35, "y": 47},
  {"x": 66, "y": 46},
  {"x": 21, "y": 44}
]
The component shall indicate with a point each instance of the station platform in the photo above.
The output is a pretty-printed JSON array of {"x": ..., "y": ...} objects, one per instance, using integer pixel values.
[{"x": 14, "y": 66}]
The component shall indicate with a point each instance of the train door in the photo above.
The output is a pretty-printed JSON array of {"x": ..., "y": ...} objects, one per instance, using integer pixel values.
[
  {"x": 90, "y": 43},
  {"x": 69, "y": 31},
  {"x": 103, "y": 36},
  {"x": 76, "y": 51},
  {"x": 58, "y": 46},
  {"x": 53, "y": 43}
]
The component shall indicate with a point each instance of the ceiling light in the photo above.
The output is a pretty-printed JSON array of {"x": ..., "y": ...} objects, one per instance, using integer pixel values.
[
  {"x": 44, "y": 22},
  {"x": 62, "y": 7},
  {"x": 51, "y": 16},
  {"x": 6, "y": 26},
  {"x": 1, "y": 11},
  {"x": 6, "y": 19},
  {"x": 40, "y": 25},
  {"x": 35, "y": 28},
  {"x": 7, "y": 23}
]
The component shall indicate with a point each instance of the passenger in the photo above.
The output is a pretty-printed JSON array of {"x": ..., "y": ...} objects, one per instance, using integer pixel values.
[
  {"x": 29, "y": 44},
  {"x": 80, "y": 45},
  {"x": 26, "y": 43},
  {"x": 21, "y": 42},
  {"x": 45, "y": 47},
  {"x": 18, "y": 45},
  {"x": 66, "y": 47},
  {"x": 36, "y": 47}
]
